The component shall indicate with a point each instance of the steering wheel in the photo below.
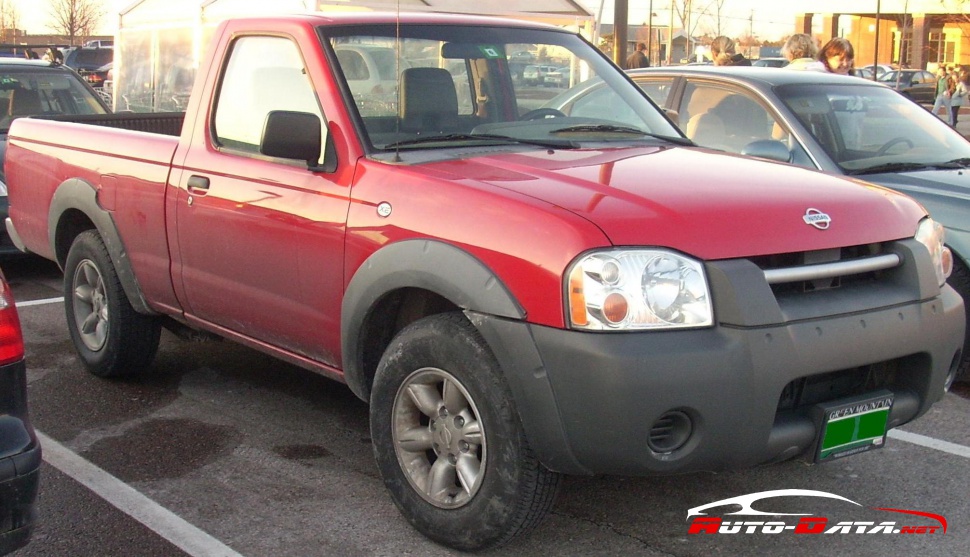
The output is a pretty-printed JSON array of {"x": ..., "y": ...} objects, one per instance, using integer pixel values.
[
  {"x": 891, "y": 143},
  {"x": 542, "y": 113}
]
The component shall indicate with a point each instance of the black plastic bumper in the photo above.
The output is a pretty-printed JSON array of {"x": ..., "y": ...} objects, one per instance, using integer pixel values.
[
  {"x": 589, "y": 402},
  {"x": 20, "y": 459}
]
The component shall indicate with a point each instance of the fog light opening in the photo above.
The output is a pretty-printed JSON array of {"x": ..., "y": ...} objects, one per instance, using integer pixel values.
[{"x": 670, "y": 432}]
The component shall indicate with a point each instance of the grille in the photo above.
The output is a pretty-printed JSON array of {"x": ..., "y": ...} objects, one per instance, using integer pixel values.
[{"x": 812, "y": 271}]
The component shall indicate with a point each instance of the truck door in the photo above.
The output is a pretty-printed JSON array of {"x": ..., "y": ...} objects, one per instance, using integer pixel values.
[{"x": 260, "y": 239}]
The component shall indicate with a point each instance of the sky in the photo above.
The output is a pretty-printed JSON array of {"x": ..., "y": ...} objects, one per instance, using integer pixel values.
[{"x": 770, "y": 19}]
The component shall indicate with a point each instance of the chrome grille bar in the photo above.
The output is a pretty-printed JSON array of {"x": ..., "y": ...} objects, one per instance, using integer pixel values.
[{"x": 832, "y": 270}]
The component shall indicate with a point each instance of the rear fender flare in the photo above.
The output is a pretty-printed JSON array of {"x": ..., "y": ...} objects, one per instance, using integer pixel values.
[
  {"x": 425, "y": 264},
  {"x": 81, "y": 195}
]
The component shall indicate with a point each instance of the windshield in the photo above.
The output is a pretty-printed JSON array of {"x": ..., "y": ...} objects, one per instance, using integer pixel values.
[
  {"x": 454, "y": 86},
  {"x": 32, "y": 92},
  {"x": 864, "y": 127}
]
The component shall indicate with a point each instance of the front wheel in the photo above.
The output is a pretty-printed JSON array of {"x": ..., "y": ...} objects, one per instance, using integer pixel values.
[
  {"x": 110, "y": 337},
  {"x": 448, "y": 441},
  {"x": 960, "y": 281}
]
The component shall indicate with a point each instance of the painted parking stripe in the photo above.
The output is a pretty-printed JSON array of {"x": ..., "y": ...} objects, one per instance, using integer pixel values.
[
  {"x": 40, "y": 302},
  {"x": 929, "y": 442},
  {"x": 162, "y": 521}
]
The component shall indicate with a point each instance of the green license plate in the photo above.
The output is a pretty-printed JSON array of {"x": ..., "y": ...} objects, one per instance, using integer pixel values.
[{"x": 853, "y": 426}]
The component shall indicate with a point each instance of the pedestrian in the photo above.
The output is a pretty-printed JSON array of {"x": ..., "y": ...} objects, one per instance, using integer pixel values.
[
  {"x": 29, "y": 54},
  {"x": 724, "y": 53},
  {"x": 800, "y": 50},
  {"x": 838, "y": 56},
  {"x": 638, "y": 59},
  {"x": 958, "y": 95},
  {"x": 942, "y": 94}
]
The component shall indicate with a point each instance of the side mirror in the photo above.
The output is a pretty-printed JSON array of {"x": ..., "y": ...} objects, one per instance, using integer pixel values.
[
  {"x": 768, "y": 149},
  {"x": 292, "y": 135}
]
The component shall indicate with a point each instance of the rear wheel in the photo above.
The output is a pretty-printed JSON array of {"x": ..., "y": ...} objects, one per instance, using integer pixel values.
[
  {"x": 448, "y": 440},
  {"x": 110, "y": 337}
]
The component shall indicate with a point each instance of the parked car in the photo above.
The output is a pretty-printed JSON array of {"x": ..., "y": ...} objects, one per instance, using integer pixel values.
[
  {"x": 838, "y": 124},
  {"x": 770, "y": 62},
  {"x": 880, "y": 69},
  {"x": 919, "y": 85},
  {"x": 19, "y": 448},
  {"x": 558, "y": 78},
  {"x": 87, "y": 59},
  {"x": 30, "y": 87},
  {"x": 372, "y": 74},
  {"x": 535, "y": 74}
]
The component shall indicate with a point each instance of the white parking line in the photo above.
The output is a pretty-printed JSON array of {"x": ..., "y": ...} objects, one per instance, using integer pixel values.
[
  {"x": 162, "y": 521},
  {"x": 929, "y": 442},
  {"x": 39, "y": 302}
]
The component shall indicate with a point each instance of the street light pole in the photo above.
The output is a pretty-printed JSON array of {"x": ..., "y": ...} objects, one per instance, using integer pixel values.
[
  {"x": 650, "y": 33},
  {"x": 875, "y": 54}
]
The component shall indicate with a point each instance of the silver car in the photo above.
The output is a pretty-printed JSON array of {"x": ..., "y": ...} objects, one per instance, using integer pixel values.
[{"x": 838, "y": 124}]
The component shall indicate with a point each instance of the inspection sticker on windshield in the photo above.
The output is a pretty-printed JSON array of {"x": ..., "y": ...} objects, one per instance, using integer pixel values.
[
  {"x": 490, "y": 52},
  {"x": 853, "y": 426}
]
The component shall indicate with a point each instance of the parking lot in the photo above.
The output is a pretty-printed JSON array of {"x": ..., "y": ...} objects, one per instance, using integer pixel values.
[{"x": 224, "y": 451}]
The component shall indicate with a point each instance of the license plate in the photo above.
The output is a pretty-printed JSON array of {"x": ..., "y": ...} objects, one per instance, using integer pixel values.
[{"x": 853, "y": 426}]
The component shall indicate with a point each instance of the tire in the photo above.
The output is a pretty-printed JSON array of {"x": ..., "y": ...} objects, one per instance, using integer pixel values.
[
  {"x": 448, "y": 440},
  {"x": 960, "y": 281},
  {"x": 110, "y": 337}
]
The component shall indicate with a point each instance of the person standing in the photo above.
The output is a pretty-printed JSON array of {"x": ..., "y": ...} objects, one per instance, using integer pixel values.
[
  {"x": 838, "y": 56},
  {"x": 800, "y": 50},
  {"x": 942, "y": 94},
  {"x": 638, "y": 59},
  {"x": 724, "y": 53},
  {"x": 958, "y": 96}
]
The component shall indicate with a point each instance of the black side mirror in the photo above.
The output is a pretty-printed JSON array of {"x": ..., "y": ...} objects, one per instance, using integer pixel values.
[{"x": 292, "y": 135}]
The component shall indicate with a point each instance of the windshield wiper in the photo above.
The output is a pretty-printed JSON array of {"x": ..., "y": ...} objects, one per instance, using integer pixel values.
[
  {"x": 962, "y": 162},
  {"x": 612, "y": 128},
  {"x": 550, "y": 144},
  {"x": 898, "y": 167}
]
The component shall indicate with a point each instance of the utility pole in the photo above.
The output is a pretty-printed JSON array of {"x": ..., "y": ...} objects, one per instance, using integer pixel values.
[
  {"x": 650, "y": 33},
  {"x": 875, "y": 54}
]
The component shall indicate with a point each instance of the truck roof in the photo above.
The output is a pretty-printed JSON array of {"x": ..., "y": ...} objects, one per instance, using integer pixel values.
[{"x": 407, "y": 18}]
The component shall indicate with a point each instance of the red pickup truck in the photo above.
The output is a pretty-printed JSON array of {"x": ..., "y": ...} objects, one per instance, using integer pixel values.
[{"x": 517, "y": 293}]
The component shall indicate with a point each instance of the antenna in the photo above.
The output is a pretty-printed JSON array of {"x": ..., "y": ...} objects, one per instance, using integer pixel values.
[{"x": 397, "y": 74}]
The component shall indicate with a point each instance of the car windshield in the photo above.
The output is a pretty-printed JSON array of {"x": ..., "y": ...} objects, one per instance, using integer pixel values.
[
  {"x": 25, "y": 92},
  {"x": 866, "y": 128},
  {"x": 478, "y": 85}
]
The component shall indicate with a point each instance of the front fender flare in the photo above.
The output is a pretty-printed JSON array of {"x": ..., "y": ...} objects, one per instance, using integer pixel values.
[
  {"x": 426, "y": 264},
  {"x": 81, "y": 195}
]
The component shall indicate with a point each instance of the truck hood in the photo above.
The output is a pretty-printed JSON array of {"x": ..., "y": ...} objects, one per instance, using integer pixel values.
[{"x": 706, "y": 204}]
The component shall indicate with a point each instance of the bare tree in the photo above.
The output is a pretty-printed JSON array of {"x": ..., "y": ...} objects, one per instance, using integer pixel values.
[
  {"x": 75, "y": 19},
  {"x": 9, "y": 18}
]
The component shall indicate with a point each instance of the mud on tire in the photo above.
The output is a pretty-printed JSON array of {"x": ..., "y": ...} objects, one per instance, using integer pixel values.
[
  {"x": 448, "y": 440},
  {"x": 110, "y": 337}
]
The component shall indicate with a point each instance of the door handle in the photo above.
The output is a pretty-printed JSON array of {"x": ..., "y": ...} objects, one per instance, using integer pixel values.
[{"x": 198, "y": 185}]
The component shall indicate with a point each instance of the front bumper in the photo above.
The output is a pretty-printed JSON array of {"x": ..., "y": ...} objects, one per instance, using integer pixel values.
[{"x": 591, "y": 401}]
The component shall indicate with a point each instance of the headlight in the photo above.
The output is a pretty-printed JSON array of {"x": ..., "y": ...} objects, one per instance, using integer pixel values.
[
  {"x": 636, "y": 289},
  {"x": 931, "y": 234}
]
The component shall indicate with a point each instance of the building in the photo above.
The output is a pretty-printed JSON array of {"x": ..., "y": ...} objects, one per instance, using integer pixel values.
[{"x": 915, "y": 33}]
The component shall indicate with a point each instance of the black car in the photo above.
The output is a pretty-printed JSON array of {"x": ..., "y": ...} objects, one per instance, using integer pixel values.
[
  {"x": 32, "y": 87},
  {"x": 19, "y": 449},
  {"x": 919, "y": 85},
  {"x": 91, "y": 63}
]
